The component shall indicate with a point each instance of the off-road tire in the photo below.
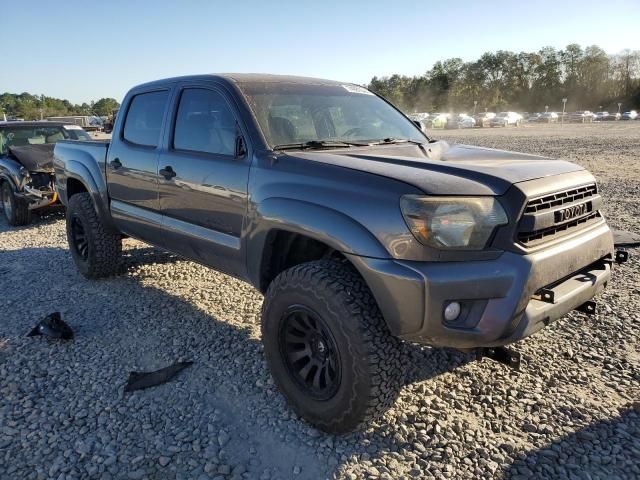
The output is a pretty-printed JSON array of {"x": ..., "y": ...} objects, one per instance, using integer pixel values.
[
  {"x": 372, "y": 361},
  {"x": 18, "y": 213},
  {"x": 103, "y": 248}
]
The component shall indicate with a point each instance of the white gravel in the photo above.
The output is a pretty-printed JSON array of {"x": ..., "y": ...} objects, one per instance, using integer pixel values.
[{"x": 573, "y": 412}]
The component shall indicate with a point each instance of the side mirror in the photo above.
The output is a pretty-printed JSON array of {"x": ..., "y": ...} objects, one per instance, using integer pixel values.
[
  {"x": 240, "y": 148},
  {"x": 420, "y": 125}
]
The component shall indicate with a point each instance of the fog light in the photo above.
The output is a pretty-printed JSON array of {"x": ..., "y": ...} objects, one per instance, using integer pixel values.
[{"x": 451, "y": 311}]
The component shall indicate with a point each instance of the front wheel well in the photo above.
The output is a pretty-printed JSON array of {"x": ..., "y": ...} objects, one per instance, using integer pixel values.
[
  {"x": 284, "y": 249},
  {"x": 74, "y": 187}
]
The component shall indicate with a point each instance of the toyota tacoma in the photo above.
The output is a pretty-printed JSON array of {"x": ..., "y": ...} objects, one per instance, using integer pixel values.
[{"x": 361, "y": 232}]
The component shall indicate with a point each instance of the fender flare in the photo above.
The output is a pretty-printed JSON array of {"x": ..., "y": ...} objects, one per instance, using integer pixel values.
[
  {"x": 77, "y": 170},
  {"x": 331, "y": 227}
]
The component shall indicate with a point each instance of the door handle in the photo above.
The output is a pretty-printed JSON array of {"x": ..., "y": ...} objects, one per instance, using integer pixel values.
[
  {"x": 115, "y": 163},
  {"x": 167, "y": 172}
]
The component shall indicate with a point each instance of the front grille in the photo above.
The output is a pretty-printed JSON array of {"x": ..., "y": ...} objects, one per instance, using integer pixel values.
[
  {"x": 560, "y": 198},
  {"x": 547, "y": 211},
  {"x": 540, "y": 236}
]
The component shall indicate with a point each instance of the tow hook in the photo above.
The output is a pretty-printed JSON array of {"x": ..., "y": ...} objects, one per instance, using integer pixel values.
[
  {"x": 588, "y": 308},
  {"x": 503, "y": 355},
  {"x": 621, "y": 256}
]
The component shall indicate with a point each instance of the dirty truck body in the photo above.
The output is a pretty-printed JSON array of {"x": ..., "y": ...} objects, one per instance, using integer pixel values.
[{"x": 351, "y": 221}]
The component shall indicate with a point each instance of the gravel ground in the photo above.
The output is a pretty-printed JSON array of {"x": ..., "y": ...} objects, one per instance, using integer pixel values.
[{"x": 572, "y": 412}]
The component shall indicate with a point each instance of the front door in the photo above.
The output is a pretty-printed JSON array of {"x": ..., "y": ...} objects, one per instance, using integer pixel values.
[
  {"x": 203, "y": 181},
  {"x": 132, "y": 166}
]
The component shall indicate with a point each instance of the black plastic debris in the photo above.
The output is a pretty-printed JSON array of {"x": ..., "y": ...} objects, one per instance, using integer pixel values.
[
  {"x": 623, "y": 238},
  {"x": 141, "y": 380},
  {"x": 52, "y": 326}
]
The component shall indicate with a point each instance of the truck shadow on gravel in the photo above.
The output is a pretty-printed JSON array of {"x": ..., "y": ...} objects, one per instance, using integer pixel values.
[
  {"x": 47, "y": 216},
  {"x": 598, "y": 460}
]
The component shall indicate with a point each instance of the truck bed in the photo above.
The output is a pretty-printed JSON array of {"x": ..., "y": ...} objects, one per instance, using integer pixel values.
[{"x": 80, "y": 157}]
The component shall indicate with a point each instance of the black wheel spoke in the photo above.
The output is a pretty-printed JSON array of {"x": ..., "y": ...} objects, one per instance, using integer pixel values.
[
  {"x": 79, "y": 237},
  {"x": 326, "y": 375},
  {"x": 317, "y": 376},
  {"x": 295, "y": 356},
  {"x": 304, "y": 371}
]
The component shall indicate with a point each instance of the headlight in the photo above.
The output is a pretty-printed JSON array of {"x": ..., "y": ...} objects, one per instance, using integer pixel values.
[{"x": 464, "y": 223}]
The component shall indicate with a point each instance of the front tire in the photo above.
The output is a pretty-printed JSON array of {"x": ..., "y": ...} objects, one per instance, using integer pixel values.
[
  {"x": 94, "y": 250},
  {"x": 328, "y": 347},
  {"x": 16, "y": 210}
]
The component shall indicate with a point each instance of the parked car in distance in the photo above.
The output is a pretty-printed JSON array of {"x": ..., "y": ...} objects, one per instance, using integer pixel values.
[
  {"x": 483, "y": 119},
  {"x": 581, "y": 116},
  {"x": 89, "y": 123},
  {"x": 534, "y": 117},
  {"x": 360, "y": 231},
  {"x": 439, "y": 120},
  {"x": 630, "y": 115},
  {"x": 607, "y": 116},
  {"x": 504, "y": 119},
  {"x": 26, "y": 165},
  {"x": 466, "y": 121},
  {"x": 459, "y": 120},
  {"x": 548, "y": 117}
]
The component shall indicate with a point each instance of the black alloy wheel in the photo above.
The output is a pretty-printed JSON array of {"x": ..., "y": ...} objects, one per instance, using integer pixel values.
[{"x": 309, "y": 351}]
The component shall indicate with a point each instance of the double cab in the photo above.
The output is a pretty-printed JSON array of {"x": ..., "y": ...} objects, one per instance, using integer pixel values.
[{"x": 362, "y": 233}]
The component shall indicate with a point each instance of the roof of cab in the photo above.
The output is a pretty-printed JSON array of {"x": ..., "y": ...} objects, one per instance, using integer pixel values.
[{"x": 239, "y": 78}]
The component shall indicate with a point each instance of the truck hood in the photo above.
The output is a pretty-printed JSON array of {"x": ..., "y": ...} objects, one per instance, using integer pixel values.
[
  {"x": 442, "y": 169},
  {"x": 35, "y": 158}
]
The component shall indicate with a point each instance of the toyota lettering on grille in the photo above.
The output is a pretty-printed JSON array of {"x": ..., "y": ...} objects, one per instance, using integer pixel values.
[{"x": 572, "y": 212}]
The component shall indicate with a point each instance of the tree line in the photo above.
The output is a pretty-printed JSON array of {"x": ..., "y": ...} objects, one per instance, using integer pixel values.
[
  {"x": 588, "y": 77},
  {"x": 35, "y": 107}
]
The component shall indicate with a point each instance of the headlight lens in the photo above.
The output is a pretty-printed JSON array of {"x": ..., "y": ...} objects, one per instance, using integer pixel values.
[{"x": 464, "y": 223}]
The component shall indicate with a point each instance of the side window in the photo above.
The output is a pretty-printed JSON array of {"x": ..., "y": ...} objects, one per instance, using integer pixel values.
[
  {"x": 204, "y": 123},
  {"x": 144, "y": 118}
]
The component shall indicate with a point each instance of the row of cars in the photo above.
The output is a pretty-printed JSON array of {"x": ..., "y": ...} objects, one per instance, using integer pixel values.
[
  {"x": 462, "y": 120},
  {"x": 505, "y": 119},
  {"x": 582, "y": 116},
  {"x": 26, "y": 165}
]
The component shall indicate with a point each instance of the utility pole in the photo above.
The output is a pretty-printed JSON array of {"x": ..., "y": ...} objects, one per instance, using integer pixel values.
[{"x": 564, "y": 104}]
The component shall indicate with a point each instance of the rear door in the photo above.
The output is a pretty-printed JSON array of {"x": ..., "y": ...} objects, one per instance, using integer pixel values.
[
  {"x": 203, "y": 179},
  {"x": 132, "y": 165}
]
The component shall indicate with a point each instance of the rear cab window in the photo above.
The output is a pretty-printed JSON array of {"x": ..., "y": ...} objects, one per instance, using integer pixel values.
[
  {"x": 143, "y": 123},
  {"x": 204, "y": 123}
]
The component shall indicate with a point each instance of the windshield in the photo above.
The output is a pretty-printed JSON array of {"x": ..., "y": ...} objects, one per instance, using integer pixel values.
[
  {"x": 16, "y": 136},
  {"x": 289, "y": 112}
]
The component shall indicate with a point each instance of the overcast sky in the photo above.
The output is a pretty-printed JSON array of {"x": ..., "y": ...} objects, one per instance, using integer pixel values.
[{"x": 87, "y": 50}]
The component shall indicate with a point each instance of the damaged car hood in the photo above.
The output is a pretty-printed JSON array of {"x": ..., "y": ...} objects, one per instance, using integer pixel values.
[
  {"x": 442, "y": 169},
  {"x": 35, "y": 158}
]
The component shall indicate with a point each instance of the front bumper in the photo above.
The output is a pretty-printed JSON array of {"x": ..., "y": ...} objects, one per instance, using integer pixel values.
[{"x": 498, "y": 296}]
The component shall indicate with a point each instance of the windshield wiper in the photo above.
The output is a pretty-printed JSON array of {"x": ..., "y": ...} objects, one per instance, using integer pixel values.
[
  {"x": 318, "y": 144},
  {"x": 392, "y": 141}
]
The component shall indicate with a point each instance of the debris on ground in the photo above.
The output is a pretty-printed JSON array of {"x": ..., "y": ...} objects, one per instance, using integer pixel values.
[
  {"x": 52, "y": 326},
  {"x": 141, "y": 380}
]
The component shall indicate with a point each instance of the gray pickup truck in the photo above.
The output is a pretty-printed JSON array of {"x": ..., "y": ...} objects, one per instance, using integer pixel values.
[{"x": 361, "y": 232}]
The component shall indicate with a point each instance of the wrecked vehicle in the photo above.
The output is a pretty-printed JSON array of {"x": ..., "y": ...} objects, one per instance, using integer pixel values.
[
  {"x": 361, "y": 232},
  {"x": 26, "y": 165}
]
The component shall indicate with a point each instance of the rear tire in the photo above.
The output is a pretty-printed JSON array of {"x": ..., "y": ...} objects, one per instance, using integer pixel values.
[
  {"x": 328, "y": 347},
  {"x": 16, "y": 210},
  {"x": 94, "y": 250}
]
